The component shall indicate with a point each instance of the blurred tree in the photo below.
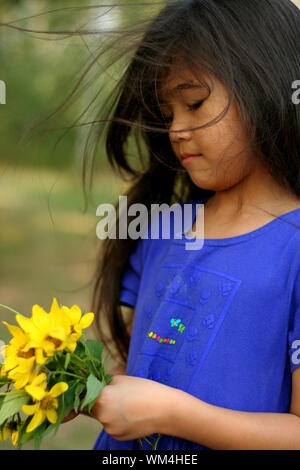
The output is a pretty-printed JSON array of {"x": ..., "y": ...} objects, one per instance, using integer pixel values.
[{"x": 40, "y": 71}]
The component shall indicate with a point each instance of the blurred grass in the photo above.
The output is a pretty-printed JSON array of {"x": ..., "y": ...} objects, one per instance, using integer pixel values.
[{"x": 48, "y": 249}]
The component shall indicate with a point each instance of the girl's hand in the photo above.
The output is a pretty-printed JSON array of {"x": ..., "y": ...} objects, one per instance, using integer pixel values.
[
  {"x": 120, "y": 370},
  {"x": 132, "y": 407}
]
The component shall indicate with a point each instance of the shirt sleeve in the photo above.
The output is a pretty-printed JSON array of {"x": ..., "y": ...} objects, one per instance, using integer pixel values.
[
  {"x": 294, "y": 328},
  {"x": 132, "y": 275}
]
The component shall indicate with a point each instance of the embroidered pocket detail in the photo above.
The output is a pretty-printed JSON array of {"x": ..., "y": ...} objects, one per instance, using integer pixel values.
[
  {"x": 209, "y": 321},
  {"x": 194, "y": 278},
  {"x": 193, "y": 317},
  {"x": 175, "y": 286},
  {"x": 193, "y": 358},
  {"x": 225, "y": 288},
  {"x": 192, "y": 333},
  {"x": 148, "y": 311},
  {"x": 204, "y": 296},
  {"x": 160, "y": 289}
]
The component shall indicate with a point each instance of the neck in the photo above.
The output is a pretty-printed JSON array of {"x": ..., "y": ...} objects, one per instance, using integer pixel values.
[{"x": 257, "y": 191}]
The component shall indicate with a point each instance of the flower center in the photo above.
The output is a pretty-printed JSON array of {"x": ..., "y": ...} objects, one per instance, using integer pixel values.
[
  {"x": 27, "y": 354},
  {"x": 47, "y": 402},
  {"x": 57, "y": 342}
]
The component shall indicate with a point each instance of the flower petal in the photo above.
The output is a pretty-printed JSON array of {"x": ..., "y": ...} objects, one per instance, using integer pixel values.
[
  {"x": 30, "y": 409},
  {"x": 71, "y": 346},
  {"x": 86, "y": 320},
  {"x": 10, "y": 361},
  {"x": 54, "y": 307},
  {"x": 25, "y": 365},
  {"x": 51, "y": 415},
  {"x": 40, "y": 318},
  {"x": 36, "y": 421},
  {"x": 15, "y": 437},
  {"x": 37, "y": 393},
  {"x": 57, "y": 332},
  {"x": 6, "y": 433},
  {"x": 39, "y": 356},
  {"x": 20, "y": 382},
  {"x": 58, "y": 389},
  {"x": 24, "y": 322},
  {"x": 39, "y": 379},
  {"x": 14, "y": 330}
]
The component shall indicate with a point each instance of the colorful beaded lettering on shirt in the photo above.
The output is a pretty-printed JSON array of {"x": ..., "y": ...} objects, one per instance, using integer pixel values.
[{"x": 160, "y": 339}]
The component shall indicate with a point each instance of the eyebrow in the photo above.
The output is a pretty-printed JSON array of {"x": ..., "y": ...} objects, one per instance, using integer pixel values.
[{"x": 182, "y": 86}]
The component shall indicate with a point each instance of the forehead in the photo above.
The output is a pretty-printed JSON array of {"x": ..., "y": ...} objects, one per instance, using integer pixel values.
[{"x": 185, "y": 79}]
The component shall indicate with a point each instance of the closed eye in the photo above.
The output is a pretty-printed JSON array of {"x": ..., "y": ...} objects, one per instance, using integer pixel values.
[{"x": 191, "y": 107}]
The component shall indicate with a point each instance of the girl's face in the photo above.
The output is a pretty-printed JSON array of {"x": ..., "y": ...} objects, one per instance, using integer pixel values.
[{"x": 185, "y": 104}]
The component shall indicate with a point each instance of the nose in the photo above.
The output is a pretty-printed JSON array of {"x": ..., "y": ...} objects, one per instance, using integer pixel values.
[
  {"x": 181, "y": 125},
  {"x": 183, "y": 132}
]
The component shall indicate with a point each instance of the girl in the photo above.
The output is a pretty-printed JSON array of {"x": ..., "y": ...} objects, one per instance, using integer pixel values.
[{"x": 210, "y": 358}]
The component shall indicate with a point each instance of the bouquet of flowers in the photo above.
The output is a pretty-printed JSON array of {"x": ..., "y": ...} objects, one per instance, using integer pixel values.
[{"x": 48, "y": 371}]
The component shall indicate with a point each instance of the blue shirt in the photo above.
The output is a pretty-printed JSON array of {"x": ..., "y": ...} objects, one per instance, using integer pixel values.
[{"x": 221, "y": 323}]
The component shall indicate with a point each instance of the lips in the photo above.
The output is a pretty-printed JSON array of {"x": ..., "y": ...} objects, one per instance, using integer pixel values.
[{"x": 184, "y": 155}]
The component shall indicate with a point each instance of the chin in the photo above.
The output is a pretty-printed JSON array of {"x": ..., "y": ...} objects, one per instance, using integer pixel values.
[
  {"x": 210, "y": 185},
  {"x": 203, "y": 183}
]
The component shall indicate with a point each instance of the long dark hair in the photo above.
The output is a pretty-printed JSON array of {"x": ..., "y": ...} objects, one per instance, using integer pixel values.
[{"x": 252, "y": 47}]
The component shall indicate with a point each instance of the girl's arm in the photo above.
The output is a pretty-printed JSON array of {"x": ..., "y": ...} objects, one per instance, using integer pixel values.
[
  {"x": 127, "y": 410},
  {"x": 224, "y": 429}
]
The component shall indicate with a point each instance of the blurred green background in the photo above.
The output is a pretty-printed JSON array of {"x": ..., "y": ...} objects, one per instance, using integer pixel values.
[{"x": 48, "y": 242}]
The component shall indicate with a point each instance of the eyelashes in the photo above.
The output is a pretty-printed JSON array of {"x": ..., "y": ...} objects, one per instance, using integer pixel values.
[{"x": 192, "y": 107}]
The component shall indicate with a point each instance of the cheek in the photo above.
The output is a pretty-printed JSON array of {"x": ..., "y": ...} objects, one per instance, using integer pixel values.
[
  {"x": 219, "y": 170},
  {"x": 225, "y": 139}
]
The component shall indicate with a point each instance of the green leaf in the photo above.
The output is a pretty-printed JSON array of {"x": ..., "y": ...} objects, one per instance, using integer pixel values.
[
  {"x": 79, "y": 389},
  {"x": 60, "y": 412},
  {"x": 107, "y": 358},
  {"x": 93, "y": 389},
  {"x": 90, "y": 406},
  {"x": 64, "y": 410},
  {"x": 67, "y": 410},
  {"x": 67, "y": 360},
  {"x": 108, "y": 378},
  {"x": 50, "y": 428},
  {"x": 66, "y": 403},
  {"x": 23, "y": 435},
  {"x": 38, "y": 435},
  {"x": 12, "y": 404},
  {"x": 95, "y": 349},
  {"x": 4, "y": 380},
  {"x": 69, "y": 394},
  {"x": 80, "y": 350}
]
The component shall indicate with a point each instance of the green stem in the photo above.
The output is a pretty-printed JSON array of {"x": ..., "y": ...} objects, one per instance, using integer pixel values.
[
  {"x": 78, "y": 358},
  {"x": 140, "y": 444},
  {"x": 156, "y": 442},
  {"x": 82, "y": 363},
  {"x": 9, "y": 308},
  {"x": 150, "y": 443},
  {"x": 66, "y": 373}
]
